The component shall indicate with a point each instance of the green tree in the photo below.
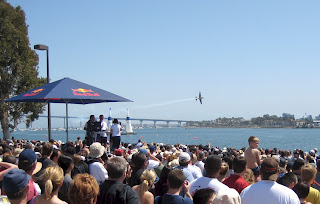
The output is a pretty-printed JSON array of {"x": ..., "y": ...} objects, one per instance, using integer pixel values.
[{"x": 18, "y": 69}]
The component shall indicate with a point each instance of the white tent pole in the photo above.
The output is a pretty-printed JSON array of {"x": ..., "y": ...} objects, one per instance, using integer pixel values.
[{"x": 67, "y": 128}]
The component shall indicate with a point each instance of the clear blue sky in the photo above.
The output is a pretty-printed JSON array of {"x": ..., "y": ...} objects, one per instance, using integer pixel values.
[{"x": 248, "y": 58}]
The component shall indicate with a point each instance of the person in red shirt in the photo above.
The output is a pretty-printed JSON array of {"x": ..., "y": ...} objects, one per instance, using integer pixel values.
[{"x": 236, "y": 180}]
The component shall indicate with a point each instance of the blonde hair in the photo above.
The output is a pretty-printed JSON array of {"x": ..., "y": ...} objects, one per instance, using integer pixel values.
[
  {"x": 84, "y": 189},
  {"x": 147, "y": 179},
  {"x": 194, "y": 159},
  {"x": 248, "y": 176},
  {"x": 308, "y": 172},
  {"x": 53, "y": 178},
  {"x": 253, "y": 139}
]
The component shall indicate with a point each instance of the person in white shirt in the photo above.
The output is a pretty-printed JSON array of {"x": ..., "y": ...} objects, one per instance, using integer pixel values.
[
  {"x": 103, "y": 130},
  {"x": 268, "y": 190},
  {"x": 95, "y": 163},
  {"x": 212, "y": 168},
  {"x": 115, "y": 131}
]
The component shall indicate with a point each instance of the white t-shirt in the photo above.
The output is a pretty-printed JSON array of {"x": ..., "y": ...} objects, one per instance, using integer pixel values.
[
  {"x": 195, "y": 171},
  {"x": 200, "y": 164},
  {"x": 104, "y": 127},
  {"x": 153, "y": 164},
  {"x": 98, "y": 171},
  {"x": 266, "y": 192},
  {"x": 206, "y": 182},
  {"x": 116, "y": 128}
]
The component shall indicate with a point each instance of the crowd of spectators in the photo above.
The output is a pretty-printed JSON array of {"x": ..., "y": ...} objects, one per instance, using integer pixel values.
[{"x": 52, "y": 172}]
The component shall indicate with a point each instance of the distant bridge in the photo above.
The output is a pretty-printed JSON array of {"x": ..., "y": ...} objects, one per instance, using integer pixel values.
[{"x": 139, "y": 119}]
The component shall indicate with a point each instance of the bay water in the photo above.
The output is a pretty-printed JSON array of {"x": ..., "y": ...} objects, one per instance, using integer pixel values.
[{"x": 286, "y": 139}]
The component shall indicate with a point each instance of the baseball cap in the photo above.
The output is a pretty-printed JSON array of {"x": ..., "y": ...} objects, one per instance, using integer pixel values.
[
  {"x": 184, "y": 157},
  {"x": 15, "y": 180},
  {"x": 269, "y": 169},
  {"x": 152, "y": 148},
  {"x": 144, "y": 151},
  {"x": 28, "y": 155},
  {"x": 118, "y": 152}
]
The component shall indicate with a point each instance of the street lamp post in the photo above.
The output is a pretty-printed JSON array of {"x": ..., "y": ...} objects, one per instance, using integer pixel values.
[{"x": 44, "y": 47}]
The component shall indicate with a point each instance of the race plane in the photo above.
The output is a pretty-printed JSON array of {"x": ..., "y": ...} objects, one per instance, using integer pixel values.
[{"x": 199, "y": 97}]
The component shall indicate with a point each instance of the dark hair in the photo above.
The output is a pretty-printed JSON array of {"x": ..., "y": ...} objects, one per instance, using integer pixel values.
[
  {"x": 176, "y": 178},
  {"x": 65, "y": 162},
  {"x": 287, "y": 179},
  {"x": 239, "y": 164},
  {"x": 213, "y": 164},
  {"x": 26, "y": 166},
  {"x": 139, "y": 159},
  {"x": 47, "y": 149},
  {"x": 202, "y": 196},
  {"x": 54, "y": 153},
  {"x": 297, "y": 164},
  {"x": 116, "y": 166},
  {"x": 70, "y": 151},
  {"x": 301, "y": 189},
  {"x": 115, "y": 121},
  {"x": 10, "y": 159}
]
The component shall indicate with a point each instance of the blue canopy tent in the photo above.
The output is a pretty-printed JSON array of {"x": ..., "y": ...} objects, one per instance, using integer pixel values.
[{"x": 67, "y": 91}]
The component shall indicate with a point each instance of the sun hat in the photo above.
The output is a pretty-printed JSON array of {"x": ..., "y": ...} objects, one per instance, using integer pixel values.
[
  {"x": 184, "y": 157},
  {"x": 15, "y": 180},
  {"x": 269, "y": 169},
  {"x": 96, "y": 150}
]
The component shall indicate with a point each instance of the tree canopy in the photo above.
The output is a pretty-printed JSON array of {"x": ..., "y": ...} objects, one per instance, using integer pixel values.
[{"x": 18, "y": 68}]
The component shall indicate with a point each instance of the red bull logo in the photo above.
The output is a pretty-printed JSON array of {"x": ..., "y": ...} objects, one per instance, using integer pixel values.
[
  {"x": 34, "y": 92},
  {"x": 84, "y": 92}
]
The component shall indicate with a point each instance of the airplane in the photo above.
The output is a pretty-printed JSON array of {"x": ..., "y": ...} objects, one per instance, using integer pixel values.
[{"x": 199, "y": 97}]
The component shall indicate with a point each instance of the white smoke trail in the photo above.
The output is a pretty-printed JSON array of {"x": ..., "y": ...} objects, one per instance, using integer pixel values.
[{"x": 163, "y": 104}]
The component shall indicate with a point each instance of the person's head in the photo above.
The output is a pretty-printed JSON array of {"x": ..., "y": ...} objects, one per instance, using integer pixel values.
[
  {"x": 101, "y": 117},
  {"x": 15, "y": 184},
  {"x": 253, "y": 141},
  {"x": 224, "y": 170},
  {"x": 147, "y": 179},
  {"x": 249, "y": 176},
  {"x": 27, "y": 160},
  {"x": 139, "y": 160},
  {"x": 203, "y": 196},
  {"x": 10, "y": 159},
  {"x": 84, "y": 189},
  {"x": 47, "y": 149},
  {"x": 288, "y": 179},
  {"x": 308, "y": 173},
  {"x": 96, "y": 150},
  {"x": 66, "y": 163},
  {"x": 116, "y": 167},
  {"x": 115, "y": 121},
  {"x": 55, "y": 155},
  {"x": 212, "y": 165},
  {"x": 301, "y": 189},
  {"x": 269, "y": 169},
  {"x": 176, "y": 178},
  {"x": 201, "y": 156},
  {"x": 53, "y": 178},
  {"x": 184, "y": 159},
  {"x": 239, "y": 164},
  {"x": 298, "y": 163},
  {"x": 92, "y": 118}
]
